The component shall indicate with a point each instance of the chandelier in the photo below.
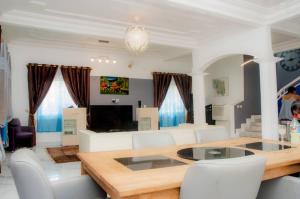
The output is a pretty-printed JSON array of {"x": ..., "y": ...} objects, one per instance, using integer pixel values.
[{"x": 136, "y": 38}]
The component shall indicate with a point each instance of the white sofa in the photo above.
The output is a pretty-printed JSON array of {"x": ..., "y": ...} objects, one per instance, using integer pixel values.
[{"x": 90, "y": 141}]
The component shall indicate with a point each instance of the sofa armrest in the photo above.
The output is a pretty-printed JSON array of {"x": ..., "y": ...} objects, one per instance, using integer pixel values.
[
  {"x": 82, "y": 187},
  {"x": 287, "y": 187},
  {"x": 28, "y": 129}
]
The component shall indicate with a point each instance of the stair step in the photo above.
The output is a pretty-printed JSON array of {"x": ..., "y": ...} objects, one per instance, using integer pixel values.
[
  {"x": 253, "y": 129},
  {"x": 250, "y": 134},
  {"x": 256, "y": 117}
]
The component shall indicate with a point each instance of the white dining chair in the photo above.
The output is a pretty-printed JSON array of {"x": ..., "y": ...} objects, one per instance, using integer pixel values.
[
  {"x": 32, "y": 182},
  {"x": 287, "y": 187},
  {"x": 211, "y": 135},
  {"x": 152, "y": 140},
  {"x": 236, "y": 178}
]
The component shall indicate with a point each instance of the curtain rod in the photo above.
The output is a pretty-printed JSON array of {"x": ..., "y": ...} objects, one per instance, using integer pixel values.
[
  {"x": 62, "y": 66},
  {"x": 170, "y": 73}
]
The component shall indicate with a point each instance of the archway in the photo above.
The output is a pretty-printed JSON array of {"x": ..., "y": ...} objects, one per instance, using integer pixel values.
[
  {"x": 232, "y": 95},
  {"x": 256, "y": 43}
]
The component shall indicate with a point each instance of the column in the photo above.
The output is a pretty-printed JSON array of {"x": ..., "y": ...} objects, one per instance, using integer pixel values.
[
  {"x": 268, "y": 90},
  {"x": 198, "y": 90}
]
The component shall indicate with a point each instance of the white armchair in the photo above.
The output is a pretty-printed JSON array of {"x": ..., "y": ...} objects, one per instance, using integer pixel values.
[
  {"x": 287, "y": 187},
  {"x": 32, "y": 182}
]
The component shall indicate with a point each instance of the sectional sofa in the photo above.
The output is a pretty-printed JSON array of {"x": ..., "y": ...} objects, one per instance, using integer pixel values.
[{"x": 90, "y": 141}]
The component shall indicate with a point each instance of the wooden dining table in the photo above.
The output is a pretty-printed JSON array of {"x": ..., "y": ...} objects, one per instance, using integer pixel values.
[{"x": 121, "y": 182}]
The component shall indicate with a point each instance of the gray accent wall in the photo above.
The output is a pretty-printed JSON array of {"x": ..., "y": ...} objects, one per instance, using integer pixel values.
[
  {"x": 284, "y": 77},
  {"x": 251, "y": 104},
  {"x": 139, "y": 89}
]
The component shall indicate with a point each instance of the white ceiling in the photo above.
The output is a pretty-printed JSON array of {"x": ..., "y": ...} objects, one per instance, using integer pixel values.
[
  {"x": 269, "y": 3},
  {"x": 179, "y": 23},
  {"x": 33, "y": 36},
  {"x": 278, "y": 38}
]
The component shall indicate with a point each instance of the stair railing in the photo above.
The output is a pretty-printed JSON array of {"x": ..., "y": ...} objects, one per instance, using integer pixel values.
[{"x": 283, "y": 90}]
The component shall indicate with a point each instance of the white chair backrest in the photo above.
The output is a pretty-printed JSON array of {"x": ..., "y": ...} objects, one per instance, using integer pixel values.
[
  {"x": 236, "y": 178},
  {"x": 211, "y": 135},
  {"x": 152, "y": 140},
  {"x": 2, "y": 151},
  {"x": 29, "y": 176}
]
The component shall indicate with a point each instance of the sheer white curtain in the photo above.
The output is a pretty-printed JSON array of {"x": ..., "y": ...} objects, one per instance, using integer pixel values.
[
  {"x": 172, "y": 111},
  {"x": 49, "y": 114},
  {"x": 5, "y": 92}
]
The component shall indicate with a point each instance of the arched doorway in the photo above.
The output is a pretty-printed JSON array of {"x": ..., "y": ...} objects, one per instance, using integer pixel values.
[{"x": 232, "y": 94}]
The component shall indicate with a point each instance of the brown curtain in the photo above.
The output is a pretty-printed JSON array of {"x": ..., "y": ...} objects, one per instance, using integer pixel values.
[
  {"x": 40, "y": 78},
  {"x": 161, "y": 83},
  {"x": 0, "y": 35},
  {"x": 184, "y": 86},
  {"x": 77, "y": 80}
]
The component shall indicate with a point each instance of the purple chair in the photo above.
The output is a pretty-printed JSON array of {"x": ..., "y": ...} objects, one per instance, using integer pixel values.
[{"x": 20, "y": 136}]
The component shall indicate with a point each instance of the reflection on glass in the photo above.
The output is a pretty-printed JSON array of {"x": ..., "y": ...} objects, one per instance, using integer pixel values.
[
  {"x": 210, "y": 153},
  {"x": 148, "y": 162},
  {"x": 265, "y": 146}
]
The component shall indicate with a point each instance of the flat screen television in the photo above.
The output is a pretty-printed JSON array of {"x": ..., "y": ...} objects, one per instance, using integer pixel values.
[{"x": 110, "y": 118}]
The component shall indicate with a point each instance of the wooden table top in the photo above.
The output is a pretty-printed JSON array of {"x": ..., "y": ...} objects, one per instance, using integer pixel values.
[{"x": 119, "y": 181}]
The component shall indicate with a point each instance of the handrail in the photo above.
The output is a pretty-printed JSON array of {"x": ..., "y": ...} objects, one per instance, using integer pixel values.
[{"x": 283, "y": 90}]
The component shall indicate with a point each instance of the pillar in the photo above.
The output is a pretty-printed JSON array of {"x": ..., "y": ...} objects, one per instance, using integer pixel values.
[
  {"x": 268, "y": 89},
  {"x": 198, "y": 90}
]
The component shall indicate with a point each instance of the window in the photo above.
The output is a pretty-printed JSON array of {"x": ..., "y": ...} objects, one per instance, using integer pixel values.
[
  {"x": 172, "y": 111},
  {"x": 49, "y": 114}
]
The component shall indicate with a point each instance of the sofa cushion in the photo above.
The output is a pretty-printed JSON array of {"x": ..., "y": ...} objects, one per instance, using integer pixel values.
[
  {"x": 24, "y": 134},
  {"x": 183, "y": 136}
]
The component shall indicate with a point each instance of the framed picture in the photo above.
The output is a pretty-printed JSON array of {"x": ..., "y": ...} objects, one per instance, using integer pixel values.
[
  {"x": 114, "y": 85},
  {"x": 220, "y": 86}
]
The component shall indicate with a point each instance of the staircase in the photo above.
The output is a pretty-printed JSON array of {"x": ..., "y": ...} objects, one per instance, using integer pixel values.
[{"x": 252, "y": 127}]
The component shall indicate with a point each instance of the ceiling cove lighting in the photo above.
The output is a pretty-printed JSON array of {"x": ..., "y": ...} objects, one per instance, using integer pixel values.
[
  {"x": 249, "y": 61},
  {"x": 136, "y": 38},
  {"x": 103, "y": 60}
]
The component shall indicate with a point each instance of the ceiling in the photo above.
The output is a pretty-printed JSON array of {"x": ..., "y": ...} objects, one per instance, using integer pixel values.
[
  {"x": 34, "y": 36},
  {"x": 178, "y": 24},
  {"x": 269, "y": 3}
]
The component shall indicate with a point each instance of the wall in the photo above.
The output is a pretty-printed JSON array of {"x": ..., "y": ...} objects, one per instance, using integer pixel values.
[
  {"x": 229, "y": 67},
  {"x": 139, "y": 89},
  {"x": 251, "y": 104},
  {"x": 24, "y": 53}
]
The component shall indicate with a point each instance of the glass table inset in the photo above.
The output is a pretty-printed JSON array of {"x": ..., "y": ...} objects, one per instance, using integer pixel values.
[
  {"x": 210, "y": 153},
  {"x": 148, "y": 162},
  {"x": 265, "y": 146}
]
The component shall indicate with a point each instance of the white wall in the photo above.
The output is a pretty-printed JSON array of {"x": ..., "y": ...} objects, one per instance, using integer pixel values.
[
  {"x": 228, "y": 67},
  {"x": 23, "y": 53}
]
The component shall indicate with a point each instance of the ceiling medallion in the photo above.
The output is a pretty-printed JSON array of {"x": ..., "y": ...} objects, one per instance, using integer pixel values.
[{"x": 136, "y": 38}]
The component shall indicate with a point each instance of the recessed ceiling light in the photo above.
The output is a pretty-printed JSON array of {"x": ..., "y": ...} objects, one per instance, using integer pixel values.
[
  {"x": 92, "y": 59},
  {"x": 114, "y": 61},
  {"x": 107, "y": 61},
  {"x": 99, "y": 60}
]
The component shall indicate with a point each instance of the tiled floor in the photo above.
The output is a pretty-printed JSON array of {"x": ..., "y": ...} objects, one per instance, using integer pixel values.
[{"x": 54, "y": 172}]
